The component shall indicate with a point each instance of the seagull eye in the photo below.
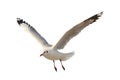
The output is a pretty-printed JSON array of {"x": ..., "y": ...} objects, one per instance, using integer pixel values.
[{"x": 46, "y": 51}]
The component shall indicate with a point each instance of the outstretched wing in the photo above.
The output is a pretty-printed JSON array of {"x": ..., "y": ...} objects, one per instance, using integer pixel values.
[
  {"x": 75, "y": 30},
  {"x": 33, "y": 32}
]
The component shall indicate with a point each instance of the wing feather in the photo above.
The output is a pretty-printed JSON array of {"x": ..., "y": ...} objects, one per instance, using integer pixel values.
[
  {"x": 75, "y": 30},
  {"x": 33, "y": 31}
]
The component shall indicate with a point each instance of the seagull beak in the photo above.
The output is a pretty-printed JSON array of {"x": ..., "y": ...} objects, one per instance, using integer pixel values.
[{"x": 42, "y": 54}]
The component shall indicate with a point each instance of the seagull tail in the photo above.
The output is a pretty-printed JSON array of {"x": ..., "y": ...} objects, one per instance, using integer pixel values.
[{"x": 67, "y": 56}]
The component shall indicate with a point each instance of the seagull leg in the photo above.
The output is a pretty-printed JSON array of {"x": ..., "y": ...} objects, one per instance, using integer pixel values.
[
  {"x": 62, "y": 64},
  {"x": 54, "y": 66}
]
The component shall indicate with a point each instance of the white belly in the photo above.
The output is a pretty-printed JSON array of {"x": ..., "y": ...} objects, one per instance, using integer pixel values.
[
  {"x": 53, "y": 56},
  {"x": 58, "y": 56}
]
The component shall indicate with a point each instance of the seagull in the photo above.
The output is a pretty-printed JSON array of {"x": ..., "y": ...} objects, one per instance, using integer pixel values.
[{"x": 51, "y": 51}]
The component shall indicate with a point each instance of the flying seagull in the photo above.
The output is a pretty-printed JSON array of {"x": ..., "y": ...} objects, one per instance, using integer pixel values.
[{"x": 51, "y": 51}]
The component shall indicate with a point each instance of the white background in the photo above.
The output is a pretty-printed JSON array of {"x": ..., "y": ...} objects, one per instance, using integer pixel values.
[{"x": 97, "y": 53}]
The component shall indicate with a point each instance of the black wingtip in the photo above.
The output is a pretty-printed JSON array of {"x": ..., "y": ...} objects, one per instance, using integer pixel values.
[
  {"x": 19, "y": 21},
  {"x": 100, "y": 14},
  {"x": 95, "y": 17}
]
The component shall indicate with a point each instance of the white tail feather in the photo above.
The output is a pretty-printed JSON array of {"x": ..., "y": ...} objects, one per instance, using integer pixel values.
[{"x": 66, "y": 56}]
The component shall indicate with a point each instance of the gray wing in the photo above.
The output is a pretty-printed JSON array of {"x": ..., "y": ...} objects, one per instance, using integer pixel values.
[
  {"x": 33, "y": 32},
  {"x": 75, "y": 30}
]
